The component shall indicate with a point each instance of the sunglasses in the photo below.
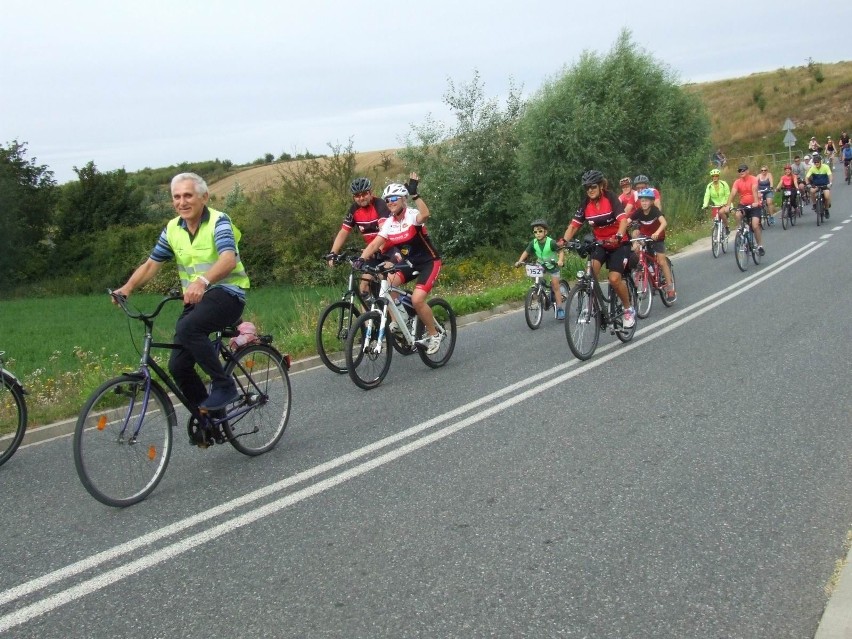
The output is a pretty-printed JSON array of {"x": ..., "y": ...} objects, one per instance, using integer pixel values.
[
  {"x": 742, "y": 170},
  {"x": 591, "y": 187},
  {"x": 393, "y": 198},
  {"x": 361, "y": 194}
]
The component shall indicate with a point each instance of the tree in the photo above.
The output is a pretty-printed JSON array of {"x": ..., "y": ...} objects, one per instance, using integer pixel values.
[
  {"x": 623, "y": 114},
  {"x": 470, "y": 171},
  {"x": 27, "y": 197}
]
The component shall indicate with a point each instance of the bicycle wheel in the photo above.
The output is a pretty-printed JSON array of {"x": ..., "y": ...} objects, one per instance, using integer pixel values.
[
  {"x": 121, "y": 443},
  {"x": 367, "y": 361},
  {"x": 13, "y": 416},
  {"x": 819, "y": 206},
  {"x": 264, "y": 387},
  {"x": 724, "y": 239},
  {"x": 445, "y": 322},
  {"x": 644, "y": 294},
  {"x": 617, "y": 308},
  {"x": 334, "y": 325},
  {"x": 664, "y": 284},
  {"x": 716, "y": 240},
  {"x": 755, "y": 254},
  {"x": 795, "y": 211},
  {"x": 534, "y": 307},
  {"x": 582, "y": 322},
  {"x": 785, "y": 215},
  {"x": 741, "y": 251}
]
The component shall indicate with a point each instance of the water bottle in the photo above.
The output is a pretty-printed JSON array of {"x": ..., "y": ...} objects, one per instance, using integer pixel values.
[{"x": 401, "y": 302}]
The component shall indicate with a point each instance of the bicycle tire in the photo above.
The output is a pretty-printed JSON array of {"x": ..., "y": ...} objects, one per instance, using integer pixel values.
[
  {"x": 445, "y": 320},
  {"x": 785, "y": 216},
  {"x": 264, "y": 386},
  {"x": 644, "y": 294},
  {"x": 724, "y": 241},
  {"x": 795, "y": 211},
  {"x": 582, "y": 322},
  {"x": 13, "y": 416},
  {"x": 716, "y": 240},
  {"x": 622, "y": 333},
  {"x": 367, "y": 365},
  {"x": 755, "y": 253},
  {"x": 534, "y": 307},
  {"x": 113, "y": 469},
  {"x": 664, "y": 285},
  {"x": 819, "y": 206},
  {"x": 334, "y": 325},
  {"x": 741, "y": 251}
]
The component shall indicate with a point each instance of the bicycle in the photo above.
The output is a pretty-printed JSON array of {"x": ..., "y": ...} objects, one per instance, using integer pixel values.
[
  {"x": 648, "y": 278},
  {"x": 745, "y": 246},
  {"x": 336, "y": 320},
  {"x": 123, "y": 437},
  {"x": 539, "y": 298},
  {"x": 789, "y": 213},
  {"x": 718, "y": 236},
  {"x": 819, "y": 204},
  {"x": 766, "y": 220},
  {"x": 847, "y": 171},
  {"x": 368, "y": 345},
  {"x": 588, "y": 312},
  {"x": 13, "y": 412}
]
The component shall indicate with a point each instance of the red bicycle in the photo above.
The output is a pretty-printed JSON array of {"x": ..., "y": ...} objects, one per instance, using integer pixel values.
[{"x": 649, "y": 278}]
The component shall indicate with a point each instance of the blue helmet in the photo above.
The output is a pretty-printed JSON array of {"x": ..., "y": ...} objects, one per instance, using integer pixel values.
[{"x": 648, "y": 193}]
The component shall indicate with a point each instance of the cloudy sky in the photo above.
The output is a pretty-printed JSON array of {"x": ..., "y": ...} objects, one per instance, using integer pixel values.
[{"x": 155, "y": 83}]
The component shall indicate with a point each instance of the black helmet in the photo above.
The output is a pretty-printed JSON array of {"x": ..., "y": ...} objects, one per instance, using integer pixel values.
[
  {"x": 539, "y": 222},
  {"x": 359, "y": 185},
  {"x": 641, "y": 179},
  {"x": 592, "y": 177},
  {"x": 817, "y": 157}
]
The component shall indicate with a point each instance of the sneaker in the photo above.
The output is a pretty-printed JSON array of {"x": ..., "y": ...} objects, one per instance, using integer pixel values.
[
  {"x": 727, "y": 231},
  {"x": 671, "y": 295},
  {"x": 761, "y": 251},
  {"x": 433, "y": 343},
  {"x": 560, "y": 313},
  {"x": 629, "y": 318},
  {"x": 220, "y": 397},
  {"x": 825, "y": 214}
]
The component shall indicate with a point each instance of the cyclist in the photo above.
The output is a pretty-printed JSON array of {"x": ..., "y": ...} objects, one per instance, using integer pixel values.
[
  {"x": 789, "y": 181},
  {"x": 405, "y": 230},
  {"x": 628, "y": 195},
  {"x": 844, "y": 139},
  {"x": 799, "y": 169},
  {"x": 745, "y": 188},
  {"x": 642, "y": 182},
  {"x": 602, "y": 210},
  {"x": 819, "y": 175},
  {"x": 813, "y": 146},
  {"x": 549, "y": 255},
  {"x": 204, "y": 244},
  {"x": 652, "y": 223},
  {"x": 368, "y": 213},
  {"x": 764, "y": 187},
  {"x": 830, "y": 151},
  {"x": 717, "y": 193},
  {"x": 846, "y": 155}
]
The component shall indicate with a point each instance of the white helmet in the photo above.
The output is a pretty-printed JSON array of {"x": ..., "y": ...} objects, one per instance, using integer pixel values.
[{"x": 395, "y": 189}]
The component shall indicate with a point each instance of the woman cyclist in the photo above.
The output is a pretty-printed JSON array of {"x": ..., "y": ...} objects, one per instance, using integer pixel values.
[
  {"x": 764, "y": 187},
  {"x": 603, "y": 212},
  {"x": 716, "y": 194},
  {"x": 789, "y": 182}
]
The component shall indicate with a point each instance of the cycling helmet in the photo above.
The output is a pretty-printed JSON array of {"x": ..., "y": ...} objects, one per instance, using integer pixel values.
[
  {"x": 715, "y": 172},
  {"x": 646, "y": 193},
  {"x": 395, "y": 189},
  {"x": 359, "y": 185},
  {"x": 539, "y": 222},
  {"x": 624, "y": 180},
  {"x": 817, "y": 157},
  {"x": 592, "y": 177},
  {"x": 641, "y": 179},
  {"x": 787, "y": 166}
]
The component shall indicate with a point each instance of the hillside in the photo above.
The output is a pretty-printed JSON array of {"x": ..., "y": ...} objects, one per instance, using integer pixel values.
[{"x": 747, "y": 115}]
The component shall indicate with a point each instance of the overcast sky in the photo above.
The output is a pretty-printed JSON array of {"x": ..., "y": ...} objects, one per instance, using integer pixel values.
[{"x": 155, "y": 83}]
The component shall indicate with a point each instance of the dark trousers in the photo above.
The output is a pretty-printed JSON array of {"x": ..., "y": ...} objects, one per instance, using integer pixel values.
[{"x": 216, "y": 310}]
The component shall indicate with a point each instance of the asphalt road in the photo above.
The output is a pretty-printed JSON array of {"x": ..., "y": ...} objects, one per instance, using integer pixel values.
[{"x": 693, "y": 483}]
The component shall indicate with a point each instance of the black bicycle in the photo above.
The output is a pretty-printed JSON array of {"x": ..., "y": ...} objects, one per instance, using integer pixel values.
[
  {"x": 588, "y": 311},
  {"x": 540, "y": 298},
  {"x": 789, "y": 212},
  {"x": 13, "y": 412},
  {"x": 745, "y": 245},
  {"x": 123, "y": 438},
  {"x": 819, "y": 204}
]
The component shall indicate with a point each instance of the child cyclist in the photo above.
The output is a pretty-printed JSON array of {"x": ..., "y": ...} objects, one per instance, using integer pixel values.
[
  {"x": 549, "y": 255},
  {"x": 652, "y": 223}
]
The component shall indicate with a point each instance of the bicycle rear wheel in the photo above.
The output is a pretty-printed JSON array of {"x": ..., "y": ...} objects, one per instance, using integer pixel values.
[
  {"x": 367, "y": 361},
  {"x": 264, "y": 386},
  {"x": 644, "y": 294},
  {"x": 715, "y": 240},
  {"x": 334, "y": 325},
  {"x": 819, "y": 206},
  {"x": 741, "y": 251},
  {"x": 534, "y": 307},
  {"x": 582, "y": 322},
  {"x": 617, "y": 308},
  {"x": 121, "y": 444},
  {"x": 664, "y": 284},
  {"x": 445, "y": 322},
  {"x": 13, "y": 417},
  {"x": 755, "y": 253}
]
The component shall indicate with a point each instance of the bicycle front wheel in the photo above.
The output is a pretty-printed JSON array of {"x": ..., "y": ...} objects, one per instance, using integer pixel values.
[
  {"x": 741, "y": 251},
  {"x": 644, "y": 294},
  {"x": 819, "y": 206},
  {"x": 13, "y": 417},
  {"x": 445, "y": 322},
  {"x": 582, "y": 322},
  {"x": 367, "y": 359},
  {"x": 715, "y": 240},
  {"x": 122, "y": 442},
  {"x": 264, "y": 387},
  {"x": 534, "y": 308},
  {"x": 334, "y": 326},
  {"x": 785, "y": 216}
]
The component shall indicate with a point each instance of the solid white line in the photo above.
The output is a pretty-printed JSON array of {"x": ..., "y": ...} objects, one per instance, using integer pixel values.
[{"x": 96, "y": 583}]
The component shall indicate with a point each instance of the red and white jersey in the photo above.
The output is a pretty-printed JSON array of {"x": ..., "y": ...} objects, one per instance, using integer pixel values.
[{"x": 409, "y": 236}]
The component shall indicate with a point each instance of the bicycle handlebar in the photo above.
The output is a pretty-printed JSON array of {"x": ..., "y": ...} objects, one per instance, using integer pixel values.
[{"x": 121, "y": 300}]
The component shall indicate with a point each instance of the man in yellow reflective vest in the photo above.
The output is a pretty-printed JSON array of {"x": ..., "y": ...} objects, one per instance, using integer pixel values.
[{"x": 204, "y": 244}]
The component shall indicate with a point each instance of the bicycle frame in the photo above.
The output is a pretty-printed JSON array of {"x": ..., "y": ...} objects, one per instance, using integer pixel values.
[
  {"x": 606, "y": 304},
  {"x": 385, "y": 304}
]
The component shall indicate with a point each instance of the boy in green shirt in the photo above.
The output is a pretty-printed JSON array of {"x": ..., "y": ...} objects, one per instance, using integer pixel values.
[{"x": 549, "y": 255}]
